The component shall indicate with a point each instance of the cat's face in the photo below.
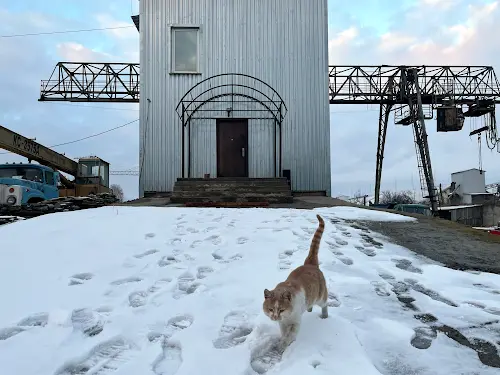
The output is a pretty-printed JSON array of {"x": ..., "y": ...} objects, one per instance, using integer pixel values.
[{"x": 277, "y": 306}]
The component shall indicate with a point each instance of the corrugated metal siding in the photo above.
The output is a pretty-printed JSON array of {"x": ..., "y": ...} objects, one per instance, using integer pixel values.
[
  {"x": 261, "y": 148},
  {"x": 282, "y": 42},
  {"x": 203, "y": 148}
]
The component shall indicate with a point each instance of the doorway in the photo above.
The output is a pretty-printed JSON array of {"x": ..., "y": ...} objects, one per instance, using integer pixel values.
[{"x": 232, "y": 147}]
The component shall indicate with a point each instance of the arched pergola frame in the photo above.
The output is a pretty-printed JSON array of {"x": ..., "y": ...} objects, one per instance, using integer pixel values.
[{"x": 224, "y": 88}]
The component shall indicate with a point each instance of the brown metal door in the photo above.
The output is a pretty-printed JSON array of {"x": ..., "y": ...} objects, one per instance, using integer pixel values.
[{"x": 232, "y": 148}]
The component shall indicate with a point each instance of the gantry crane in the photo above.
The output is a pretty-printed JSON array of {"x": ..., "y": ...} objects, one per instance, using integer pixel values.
[{"x": 411, "y": 92}]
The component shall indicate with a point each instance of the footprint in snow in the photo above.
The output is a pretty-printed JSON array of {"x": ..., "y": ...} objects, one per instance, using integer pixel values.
[
  {"x": 87, "y": 321},
  {"x": 333, "y": 300},
  {"x": 174, "y": 324},
  {"x": 406, "y": 265},
  {"x": 241, "y": 240},
  {"x": 186, "y": 285},
  {"x": 8, "y": 332},
  {"x": 80, "y": 278},
  {"x": 380, "y": 288},
  {"x": 175, "y": 241},
  {"x": 266, "y": 355},
  {"x": 481, "y": 306},
  {"x": 126, "y": 280},
  {"x": 139, "y": 298},
  {"x": 170, "y": 358},
  {"x": 369, "y": 241},
  {"x": 103, "y": 358},
  {"x": 364, "y": 250},
  {"x": 167, "y": 260},
  {"x": 219, "y": 258},
  {"x": 429, "y": 292},
  {"x": 215, "y": 240},
  {"x": 346, "y": 260},
  {"x": 339, "y": 241},
  {"x": 423, "y": 337},
  {"x": 486, "y": 288},
  {"x": 307, "y": 230},
  {"x": 284, "y": 260},
  {"x": 34, "y": 320},
  {"x": 234, "y": 330},
  {"x": 195, "y": 243},
  {"x": 149, "y": 235},
  {"x": 146, "y": 253},
  {"x": 204, "y": 271}
]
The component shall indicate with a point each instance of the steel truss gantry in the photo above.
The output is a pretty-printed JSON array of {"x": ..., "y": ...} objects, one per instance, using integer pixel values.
[
  {"x": 411, "y": 92},
  {"x": 92, "y": 82}
]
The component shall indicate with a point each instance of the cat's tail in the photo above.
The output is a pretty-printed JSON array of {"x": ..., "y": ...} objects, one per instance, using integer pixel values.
[{"x": 312, "y": 258}]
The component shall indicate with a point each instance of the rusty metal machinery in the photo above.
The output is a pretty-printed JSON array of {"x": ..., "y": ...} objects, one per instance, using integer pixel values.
[{"x": 412, "y": 93}]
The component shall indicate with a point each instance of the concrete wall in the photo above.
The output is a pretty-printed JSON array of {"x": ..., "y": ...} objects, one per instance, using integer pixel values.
[
  {"x": 491, "y": 215},
  {"x": 282, "y": 42}
]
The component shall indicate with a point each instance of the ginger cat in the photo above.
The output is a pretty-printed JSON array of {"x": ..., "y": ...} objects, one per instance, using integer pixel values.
[{"x": 304, "y": 288}]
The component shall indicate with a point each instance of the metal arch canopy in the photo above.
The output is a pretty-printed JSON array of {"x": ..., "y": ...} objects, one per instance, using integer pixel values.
[
  {"x": 225, "y": 88},
  {"x": 196, "y": 97}
]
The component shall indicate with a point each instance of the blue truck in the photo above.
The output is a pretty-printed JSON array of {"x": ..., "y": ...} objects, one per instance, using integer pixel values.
[{"x": 27, "y": 183}]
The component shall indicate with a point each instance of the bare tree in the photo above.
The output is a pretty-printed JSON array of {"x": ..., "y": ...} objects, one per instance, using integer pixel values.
[
  {"x": 397, "y": 197},
  {"x": 117, "y": 191}
]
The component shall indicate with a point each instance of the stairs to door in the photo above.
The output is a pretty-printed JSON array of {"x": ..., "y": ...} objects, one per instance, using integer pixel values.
[{"x": 226, "y": 189}]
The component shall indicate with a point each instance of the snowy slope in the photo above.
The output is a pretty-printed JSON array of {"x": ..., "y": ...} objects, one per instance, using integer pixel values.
[{"x": 134, "y": 291}]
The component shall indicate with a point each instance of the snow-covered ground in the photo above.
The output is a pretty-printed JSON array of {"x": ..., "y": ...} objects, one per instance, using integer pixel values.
[{"x": 179, "y": 291}]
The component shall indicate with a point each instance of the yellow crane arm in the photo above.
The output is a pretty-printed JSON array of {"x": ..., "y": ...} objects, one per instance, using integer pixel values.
[{"x": 32, "y": 150}]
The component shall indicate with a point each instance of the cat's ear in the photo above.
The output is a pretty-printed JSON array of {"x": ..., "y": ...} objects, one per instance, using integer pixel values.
[
  {"x": 287, "y": 295},
  {"x": 267, "y": 293}
]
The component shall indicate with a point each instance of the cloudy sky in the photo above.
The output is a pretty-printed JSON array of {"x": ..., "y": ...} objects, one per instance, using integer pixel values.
[{"x": 362, "y": 32}]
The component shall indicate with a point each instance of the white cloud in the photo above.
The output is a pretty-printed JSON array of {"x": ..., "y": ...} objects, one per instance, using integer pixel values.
[
  {"x": 71, "y": 51},
  {"x": 390, "y": 42},
  {"x": 344, "y": 37},
  {"x": 440, "y": 4},
  {"x": 443, "y": 40}
]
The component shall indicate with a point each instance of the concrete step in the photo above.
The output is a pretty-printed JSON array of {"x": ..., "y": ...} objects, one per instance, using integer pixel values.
[
  {"x": 231, "y": 183},
  {"x": 234, "y": 198},
  {"x": 234, "y": 179},
  {"x": 239, "y": 189},
  {"x": 271, "y": 190},
  {"x": 229, "y": 193}
]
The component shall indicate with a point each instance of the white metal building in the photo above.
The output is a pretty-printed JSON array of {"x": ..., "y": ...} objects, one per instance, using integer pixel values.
[
  {"x": 468, "y": 183},
  {"x": 234, "y": 88}
]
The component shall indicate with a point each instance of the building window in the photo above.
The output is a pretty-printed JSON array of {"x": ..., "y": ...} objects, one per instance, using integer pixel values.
[{"x": 185, "y": 49}]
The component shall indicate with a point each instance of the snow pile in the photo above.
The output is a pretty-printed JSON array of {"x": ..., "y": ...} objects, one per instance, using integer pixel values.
[{"x": 178, "y": 291}]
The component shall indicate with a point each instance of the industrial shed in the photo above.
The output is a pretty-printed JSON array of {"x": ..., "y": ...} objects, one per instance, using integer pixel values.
[{"x": 234, "y": 88}]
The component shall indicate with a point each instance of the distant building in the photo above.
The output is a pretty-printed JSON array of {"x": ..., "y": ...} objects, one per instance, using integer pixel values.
[
  {"x": 467, "y": 200},
  {"x": 234, "y": 89}
]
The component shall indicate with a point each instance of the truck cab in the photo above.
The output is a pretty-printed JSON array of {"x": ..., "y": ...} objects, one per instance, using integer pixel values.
[{"x": 27, "y": 183}]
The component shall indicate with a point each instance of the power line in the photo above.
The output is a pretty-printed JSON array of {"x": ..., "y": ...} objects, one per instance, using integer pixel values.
[
  {"x": 84, "y": 138},
  {"x": 65, "y": 32},
  {"x": 94, "y": 135}
]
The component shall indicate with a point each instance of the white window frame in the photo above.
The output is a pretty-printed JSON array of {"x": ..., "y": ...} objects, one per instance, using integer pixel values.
[{"x": 173, "y": 29}]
